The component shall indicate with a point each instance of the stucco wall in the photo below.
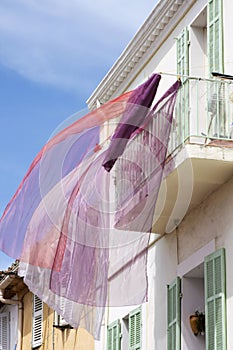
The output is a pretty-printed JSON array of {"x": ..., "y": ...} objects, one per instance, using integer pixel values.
[
  {"x": 27, "y": 321},
  {"x": 53, "y": 338},
  {"x": 164, "y": 256},
  {"x": 72, "y": 339},
  {"x": 211, "y": 220}
]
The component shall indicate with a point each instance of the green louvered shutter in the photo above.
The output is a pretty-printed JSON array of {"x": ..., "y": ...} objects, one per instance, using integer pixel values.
[
  {"x": 215, "y": 36},
  {"x": 182, "y": 47},
  {"x": 135, "y": 329},
  {"x": 173, "y": 315},
  {"x": 182, "y": 104},
  {"x": 114, "y": 336},
  {"x": 215, "y": 300}
]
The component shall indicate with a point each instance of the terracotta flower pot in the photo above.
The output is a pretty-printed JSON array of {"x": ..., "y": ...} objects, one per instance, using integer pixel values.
[{"x": 197, "y": 323}]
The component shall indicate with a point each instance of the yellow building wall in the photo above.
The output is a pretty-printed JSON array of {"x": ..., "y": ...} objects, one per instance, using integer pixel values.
[
  {"x": 27, "y": 322},
  {"x": 73, "y": 339},
  {"x": 53, "y": 338}
]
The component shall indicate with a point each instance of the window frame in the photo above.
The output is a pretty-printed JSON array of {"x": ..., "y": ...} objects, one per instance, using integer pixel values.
[
  {"x": 174, "y": 318},
  {"x": 215, "y": 35}
]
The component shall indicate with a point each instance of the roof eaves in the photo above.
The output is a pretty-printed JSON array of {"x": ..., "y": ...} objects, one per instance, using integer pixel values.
[{"x": 12, "y": 270}]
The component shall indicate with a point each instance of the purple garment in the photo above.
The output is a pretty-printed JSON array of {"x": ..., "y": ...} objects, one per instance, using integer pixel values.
[
  {"x": 140, "y": 170},
  {"x": 132, "y": 119}
]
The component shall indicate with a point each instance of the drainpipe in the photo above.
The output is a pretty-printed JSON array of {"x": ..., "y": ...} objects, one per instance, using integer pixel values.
[{"x": 3, "y": 286}]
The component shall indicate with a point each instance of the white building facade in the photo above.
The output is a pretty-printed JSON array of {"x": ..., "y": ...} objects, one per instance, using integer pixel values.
[{"x": 189, "y": 263}]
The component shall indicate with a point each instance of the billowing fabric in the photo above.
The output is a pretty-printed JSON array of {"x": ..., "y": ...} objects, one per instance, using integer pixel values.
[
  {"x": 142, "y": 167},
  {"x": 70, "y": 147},
  {"x": 79, "y": 248},
  {"x": 132, "y": 118}
]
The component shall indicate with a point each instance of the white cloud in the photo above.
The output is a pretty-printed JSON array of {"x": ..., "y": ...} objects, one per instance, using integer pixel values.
[{"x": 67, "y": 43}]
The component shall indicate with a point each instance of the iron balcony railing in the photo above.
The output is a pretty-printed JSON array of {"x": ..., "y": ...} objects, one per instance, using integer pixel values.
[{"x": 203, "y": 113}]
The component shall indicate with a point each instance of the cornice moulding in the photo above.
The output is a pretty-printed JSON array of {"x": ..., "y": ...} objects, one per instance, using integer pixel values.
[{"x": 140, "y": 49}]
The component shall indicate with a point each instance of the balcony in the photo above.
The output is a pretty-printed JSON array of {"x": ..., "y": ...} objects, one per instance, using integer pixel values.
[
  {"x": 199, "y": 156},
  {"x": 204, "y": 112}
]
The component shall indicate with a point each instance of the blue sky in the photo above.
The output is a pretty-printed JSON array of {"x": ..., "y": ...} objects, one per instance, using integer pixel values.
[{"x": 53, "y": 54}]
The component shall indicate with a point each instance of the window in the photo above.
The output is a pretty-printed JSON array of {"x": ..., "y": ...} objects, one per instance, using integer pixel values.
[
  {"x": 4, "y": 331},
  {"x": 198, "y": 45},
  {"x": 215, "y": 36},
  {"x": 65, "y": 305},
  {"x": 182, "y": 104},
  {"x": 59, "y": 321},
  {"x": 37, "y": 321},
  {"x": 173, "y": 315},
  {"x": 114, "y": 336},
  {"x": 203, "y": 290},
  {"x": 135, "y": 329},
  {"x": 215, "y": 300},
  {"x": 127, "y": 333},
  {"x": 183, "y": 52}
]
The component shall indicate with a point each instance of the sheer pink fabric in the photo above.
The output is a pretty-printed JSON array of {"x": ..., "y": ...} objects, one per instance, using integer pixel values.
[{"x": 82, "y": 232}]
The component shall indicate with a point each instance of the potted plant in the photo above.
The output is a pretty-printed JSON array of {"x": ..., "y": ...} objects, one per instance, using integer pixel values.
[{"x": 197, "y": 323}]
